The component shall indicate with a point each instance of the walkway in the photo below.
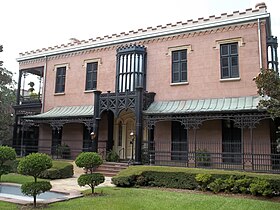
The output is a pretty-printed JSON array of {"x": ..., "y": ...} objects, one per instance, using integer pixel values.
[{"x": 71, "y": 184}]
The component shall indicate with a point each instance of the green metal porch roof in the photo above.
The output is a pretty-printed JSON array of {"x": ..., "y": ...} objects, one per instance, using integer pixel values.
[
  {"x": 65, "y": 112},
  {"x": 247, "y": 103}
]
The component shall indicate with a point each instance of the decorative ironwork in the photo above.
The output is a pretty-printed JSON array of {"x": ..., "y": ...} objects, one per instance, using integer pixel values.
[{"x": 189, "y": 121}]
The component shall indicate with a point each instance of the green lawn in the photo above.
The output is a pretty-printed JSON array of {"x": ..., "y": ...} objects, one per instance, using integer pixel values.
[
  {"x": 17, "y": 178},
  {"x": 133, "y": 198}
]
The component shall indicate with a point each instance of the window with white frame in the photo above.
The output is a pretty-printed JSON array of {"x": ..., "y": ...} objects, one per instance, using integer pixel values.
[
  {"x": 60, "y": 79},
  {"x": 91, "y": 75}
]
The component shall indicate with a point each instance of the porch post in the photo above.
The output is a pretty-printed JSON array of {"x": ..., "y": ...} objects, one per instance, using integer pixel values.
[
  {"x": 252, "y": 147},
  {"x": 19, "y": 87},
  {"x": 151, "y": 145},
  {"x": 96, "y": 119},
  {"x": 195, "y": 148},
  {"x": 139, "y": 124}
]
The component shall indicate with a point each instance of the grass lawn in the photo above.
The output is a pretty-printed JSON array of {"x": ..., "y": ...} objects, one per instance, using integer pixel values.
[
  {"x": 17, "y": 178},
  {"x": 133, "y": 198}
]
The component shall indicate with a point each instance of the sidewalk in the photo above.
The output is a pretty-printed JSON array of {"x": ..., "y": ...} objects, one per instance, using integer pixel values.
[{"x": 71, "y": 184}]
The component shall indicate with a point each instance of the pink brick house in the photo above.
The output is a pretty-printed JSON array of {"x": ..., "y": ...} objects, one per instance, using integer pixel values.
[{"x": 180, "y": 94}]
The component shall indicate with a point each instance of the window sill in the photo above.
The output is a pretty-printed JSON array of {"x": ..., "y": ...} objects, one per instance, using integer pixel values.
[
  {"x": 179, "y": 83},
  {"x": 88, "y": 91},
  {"x": 230, "y": 79},
  {"x": 59, "y": 94}
]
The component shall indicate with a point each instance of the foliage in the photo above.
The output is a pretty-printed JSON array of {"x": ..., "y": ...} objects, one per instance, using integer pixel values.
[
  {"x": 34, "y": 164},
  {"x": 88, "y": 161},
  {"x": 260, "y": 187},
  {"x": 64, "y": 151},
  {"x": 59, "y": 170},
  {"x": 91, "y": 180},
  {"x": 35, "y": 188},
  {"x": 203, "y": 157},
  {"x": 189, "y": 178},
  {"x": 112, "y": 156},
  {"x": 268, "y": 84},
  {"x": 31, "y": 89},
  {"x": 7, "y": 156},
  {"x": 203, "y": 180},
  {"x": 7, "y": 99}
]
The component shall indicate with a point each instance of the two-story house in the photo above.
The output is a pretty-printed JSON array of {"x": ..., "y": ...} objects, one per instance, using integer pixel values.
[{"x": 178, "y": 94}]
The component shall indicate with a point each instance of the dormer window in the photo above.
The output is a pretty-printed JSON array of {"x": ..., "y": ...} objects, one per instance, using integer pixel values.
[{"x": 131, "y": 68}]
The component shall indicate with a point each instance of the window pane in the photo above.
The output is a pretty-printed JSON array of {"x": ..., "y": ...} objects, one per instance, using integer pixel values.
[
  {"x": 184, "y": 55},
  {"x": 225, "y": 72},
  {"x": 184, "y": 66},
  {"x": 175, "y": 56},
  {"x": 234, "y": 71},
  {"x": 176, "y": 77},
  {"x": 175, "y": 67},
  {"x": 224, "y": 62},
  {"x": 184, "y": 77},
  {"x": 234, "y": 61},
  {"x": 224, "y": 49},
  {"x": 233, "y": 49}
]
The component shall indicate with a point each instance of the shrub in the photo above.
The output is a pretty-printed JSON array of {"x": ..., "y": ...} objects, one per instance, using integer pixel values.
[
  {"x": 203, "y": 180},
  {"x": 112, "y": 156},
  {"x": 217, "y": 185},
  {"x": 64, "y": 151},
  {"x": 260, "y": 187},
  {"x": 60, "y": 170},
  {"x": 7, "y": 156},
  {"x": 125, "y": 181},
  {"x": 229, "y": 181},
  {"x": 34, "y": 164},
  {"x": 35, "y": 188},
  {"x": 88, "y": 161},
  {"x": 91, "y": 180},
  {"x": 203, "y": 157}
]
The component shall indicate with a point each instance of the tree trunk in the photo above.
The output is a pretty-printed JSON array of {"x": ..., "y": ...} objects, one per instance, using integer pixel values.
[{"x": 34, "y": 204}]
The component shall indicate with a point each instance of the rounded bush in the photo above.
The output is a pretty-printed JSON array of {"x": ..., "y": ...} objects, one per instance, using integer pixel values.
[
  {"x": 7, "y": 155},
  {"x": 59, "y": 170},
  {"x": 35, "y": 188},
  {"x": 34, "y": 164},
  {"x": 91, "y": 180},
  {"x": 88, "y": 160}
]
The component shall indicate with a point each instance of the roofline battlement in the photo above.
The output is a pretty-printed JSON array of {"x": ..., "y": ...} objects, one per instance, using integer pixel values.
[{"x": 150, "y": 32}]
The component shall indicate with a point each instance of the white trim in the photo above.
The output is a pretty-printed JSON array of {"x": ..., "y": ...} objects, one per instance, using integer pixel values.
[
  {"x": 147, "y": 35},
  {"x": 230, "y": 79},
  {"x": 179, "y": 83},
  {"x": 183, "y": 47},
  {"x": 239, "y": 40}
]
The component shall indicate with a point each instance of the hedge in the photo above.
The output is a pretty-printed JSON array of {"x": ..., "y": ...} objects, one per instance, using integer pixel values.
[
  {"x": 60, "y": 170},
  {"x": 185, "y": 178}
]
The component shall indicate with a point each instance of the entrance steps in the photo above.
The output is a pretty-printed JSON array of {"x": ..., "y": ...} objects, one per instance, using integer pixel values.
[{"x": 111, "y": 169}]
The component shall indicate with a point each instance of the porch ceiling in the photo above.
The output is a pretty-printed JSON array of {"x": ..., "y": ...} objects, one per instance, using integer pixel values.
[
  {"x": 247, "y": 103},
  {"x": 64, "y": 112}
]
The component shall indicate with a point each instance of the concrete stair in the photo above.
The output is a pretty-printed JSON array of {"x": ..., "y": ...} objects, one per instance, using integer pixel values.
[{"x": 111, "y": 169}]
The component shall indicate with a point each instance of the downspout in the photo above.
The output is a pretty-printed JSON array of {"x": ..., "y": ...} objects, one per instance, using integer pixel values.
[
  {"x": 44, "y": 85},
  {"x": 260, "y": 43}
]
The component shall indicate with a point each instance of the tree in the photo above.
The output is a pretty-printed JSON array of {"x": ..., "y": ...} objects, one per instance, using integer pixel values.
[
  {"x": 7, "y": 98},
  {"x": 268, "y": 84},
  {"x": 34, "y": 165},
  {"x": 89, "y": 161},
  {"x": 7, "y": 155},
  {"x": 91, "y": 180}
]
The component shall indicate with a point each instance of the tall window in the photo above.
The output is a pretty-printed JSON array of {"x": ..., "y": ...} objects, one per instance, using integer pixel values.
[
  {"x": 91, "y": 76},
  {"x": 60, "y": 79},
  {"x": 229, "y": 60},
  {"x": 179, "y": 144},
  {"x": 231, "y": 143},
  {"x": 179, "y": 66}
]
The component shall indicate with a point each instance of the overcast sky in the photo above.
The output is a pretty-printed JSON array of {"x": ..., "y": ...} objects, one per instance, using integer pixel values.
[{"x": 33, "y": 24}]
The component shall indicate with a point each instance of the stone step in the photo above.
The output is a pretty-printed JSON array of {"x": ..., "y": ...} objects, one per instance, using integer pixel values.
[{"x": 111, "y": 169}]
